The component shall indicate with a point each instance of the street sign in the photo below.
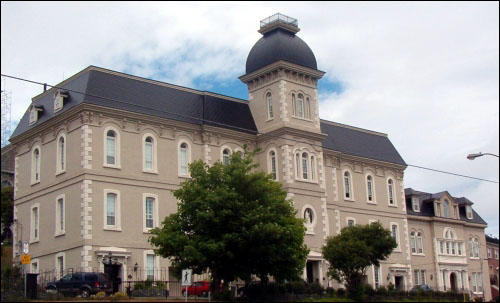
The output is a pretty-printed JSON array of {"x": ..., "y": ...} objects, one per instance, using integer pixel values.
[
  {"x": 186, "y": 277},
  {"x": 25, "y": 259},
  {"x": 26, "y": 247}
]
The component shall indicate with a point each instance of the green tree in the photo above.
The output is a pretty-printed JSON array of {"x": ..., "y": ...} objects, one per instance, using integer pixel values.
[
  {"x": 7, "y": 206},
  {"x": 354, "y": 250},
  {"x": 233, "y": 221}
]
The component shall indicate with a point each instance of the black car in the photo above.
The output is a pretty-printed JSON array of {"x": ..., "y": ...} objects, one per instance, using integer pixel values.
[
  {"x": 423, "y": 287},
  {"x": 83, "y": 283}
]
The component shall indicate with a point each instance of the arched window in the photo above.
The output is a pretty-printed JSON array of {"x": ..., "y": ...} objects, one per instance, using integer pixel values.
[
  {"x": 476, "y": 248},
  {"x": 308, "y": 108},
  {"x": 420, "y": 245},
  {"x": 312, "y": 168},
  {"x": 391, "y": 193},
  {"x": 269, "y": 105},
  {"x": 225, "y": 156},
  {"x": 111, "y": 147},
  {"x": 272, "y": 156},
  {"x": 183, "y": 159},
  {"x": 304, "y": 165},
  {"x": 300, "y": 106},
  {"x": 446, "y": 207},
  {"x": 347, "y": 185},
  {"x": 61, "y": 152},
  {"x": 413, "y": 242},
  {"x": 36, "y": 165},
  {"x": 148, "y": 153},
  {"x": 369, "y": 187}
]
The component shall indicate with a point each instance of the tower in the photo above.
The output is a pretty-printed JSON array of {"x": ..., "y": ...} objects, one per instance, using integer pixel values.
[{"x": 6, "y": 114}]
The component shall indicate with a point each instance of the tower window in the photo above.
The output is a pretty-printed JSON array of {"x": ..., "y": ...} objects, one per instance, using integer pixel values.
[{"x": 269, "y": 105}]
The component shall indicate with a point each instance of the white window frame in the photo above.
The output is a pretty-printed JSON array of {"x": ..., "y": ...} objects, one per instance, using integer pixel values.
[
  {"x": 374, "y": 200},
  {"x": 188, "y": 158},
  {"x": 446, "y": 208},
  {"x": 117, "y": 226},
  {"x": 154, "y": 154},
  {"x": 155, "y": 267},
  {"x": 222, "y": 149},
  {"x": 60, "y": 270},
  {"x": 36, "y": 165},
  {"x": 59, "y": 96},
  {"x": 33, "y": 117},
  {"x": 398, "y": 248},
  {"x": 37, "y": 262},
  {"x": 413, "y": 242},
  {"x": 351, "y": 187},
  {"x": 58, "y": 230},
  {"x": 347, "y": 219},
  {"x": 475, "y": 242},
  {"x": 489, "y": 252},
  {"x": 468, "y": 211},
  {"x": 416, "y": 276},
  {"x": 437, "y": 209},
  {"x": 269, "y": 102},
  {"x": 34, "y": 226},
  {"x": 419, "y": 237},
  {"x": 380, "y": 279},
  {"x": 395, "y": 202},
  {"x": 300, "y": 109},
  {"x": 64, "y": 162},
  {"x": 270, "y": 163},
  {"x": 423, "y": 278},
  {"x": 117, "y": 164},
  {"x": 155, "y": 211},
  {"x": 308, "y": 108},
  {"x": 417, "y": 204}
]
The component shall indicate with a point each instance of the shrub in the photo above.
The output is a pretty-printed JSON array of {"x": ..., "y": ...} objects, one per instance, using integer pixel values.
[
  {"x": 341, "y": 292},
  {"x": 315, "y": 288},
  {"x": 297, "y": 287},
  {"x": 381, "y": 291},
  {"x": 100, "y": 295},
  {"x": 118, "y": 296},
  {"x": 368, "y": 290},
  {"x": 330, "y": 291},
  {"x": 390, "y": 287},
  {"x": 478, "y": 299}
]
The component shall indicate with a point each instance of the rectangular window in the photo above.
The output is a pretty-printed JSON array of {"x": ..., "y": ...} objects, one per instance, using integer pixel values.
[
  {"x": 412, "y": 243},
  {"x": 377, "y": 276},
  {"x": 183, "y": 159},
  {"x": 496, "y": 254},
  {"x": 420, "y": 245},
  {"x": 444, "y": 280},
  {"x": 60, "y": 266},
  {"x": 441, "y": 247},
  {"x": 468, "y": 210},
  {"x": 60, "y": 215},
  {"x": 150, "y": 267},
  {"x": 394, "y": 229},
  {"x": 460, "y": 250},
  {"x": 489, "y": 253},
  {"x": 111, "y": 209},
  {"x": 423, "y": 280},
  {"x": 34, "y": 222},
  {"x": 416, "y": 205},
  {"x": 438, "y": 210},
  {"x": 34, "y": 267},
  {"x": 447, "y": 247},
  {"x": 350, "y": 223},
  {"x": 417, "y": 275},
  {"x": 479, "y": 282},
  {"x": 453, "y": 248},
  {"x": 149, "y": 212},
  {"x": 304, "y": 168},
  {"x": 110, "y": 150}
]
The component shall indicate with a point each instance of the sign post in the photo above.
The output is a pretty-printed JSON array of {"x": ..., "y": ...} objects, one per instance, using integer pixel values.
[
  {"x": 25, "y": 259},
  {"x": 187, "y": 280}
]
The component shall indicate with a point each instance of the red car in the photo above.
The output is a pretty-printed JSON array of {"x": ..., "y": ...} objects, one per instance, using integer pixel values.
[{"x": 200, "y": 288}]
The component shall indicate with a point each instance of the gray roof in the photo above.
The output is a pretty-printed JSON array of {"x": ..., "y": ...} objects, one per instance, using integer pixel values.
[
  {"x": 427, "y": 206},
  {"x": 135, "y": 94},
  {"x": 358, "y": 142},
  {"x": 280, "y": 44}
]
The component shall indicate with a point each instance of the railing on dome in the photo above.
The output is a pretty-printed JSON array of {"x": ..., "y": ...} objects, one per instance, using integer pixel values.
[{"x": 278, "y": 18}]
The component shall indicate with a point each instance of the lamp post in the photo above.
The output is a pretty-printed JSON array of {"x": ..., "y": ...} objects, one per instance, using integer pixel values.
[{"x": 474, "y": 156}]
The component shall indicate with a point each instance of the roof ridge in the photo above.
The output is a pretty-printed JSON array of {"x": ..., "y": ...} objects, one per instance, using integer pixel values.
[{"x": 354, "y": 128}]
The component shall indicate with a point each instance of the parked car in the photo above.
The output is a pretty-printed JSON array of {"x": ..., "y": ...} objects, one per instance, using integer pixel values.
[
  {"x": 422, "y": 287},
  {"x": 200, "y": 288},
  {"x": 83, "y": 283}
]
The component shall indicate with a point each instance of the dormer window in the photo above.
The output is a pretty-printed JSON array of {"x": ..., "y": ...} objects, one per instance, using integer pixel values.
[
  {"x": 59, "y": 100},
  {"x": 34, "y": 113},
  {"x": 446, "y": 207},
  {"x": 468, "y": 211},
  {"x": 415, "y": 204}
]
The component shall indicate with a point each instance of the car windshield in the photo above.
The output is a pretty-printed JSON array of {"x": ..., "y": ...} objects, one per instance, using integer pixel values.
[{"x": 67, "y": 277}]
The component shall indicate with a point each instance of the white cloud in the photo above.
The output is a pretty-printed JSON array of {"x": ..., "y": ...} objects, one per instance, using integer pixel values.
[{"x": 426, "y": 74}]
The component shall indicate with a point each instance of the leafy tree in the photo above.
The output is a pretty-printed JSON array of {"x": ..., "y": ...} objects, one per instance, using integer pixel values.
[
  {"x": 354, "y": 250},
  {"x": 7, "y": 206},
  {"x": 235, "y": 222}
]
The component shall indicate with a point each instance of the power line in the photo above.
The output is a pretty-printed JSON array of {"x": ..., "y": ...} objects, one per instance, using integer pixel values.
[{"x": 221, "y": 124}]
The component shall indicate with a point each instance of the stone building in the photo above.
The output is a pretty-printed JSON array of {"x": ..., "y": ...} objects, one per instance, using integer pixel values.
[
  {"x": 7, "y": 166},
  {"x": 492, "y": 254},
  {"x": 97, "y": 159}
]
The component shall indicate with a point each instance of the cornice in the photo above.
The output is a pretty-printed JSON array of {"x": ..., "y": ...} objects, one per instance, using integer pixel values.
[
  {"x": 292, "y": 131},
  {"x": 342, "y": 156},
  {"x": 446, "y": 221},
  {"x": 281, "y": 66}
]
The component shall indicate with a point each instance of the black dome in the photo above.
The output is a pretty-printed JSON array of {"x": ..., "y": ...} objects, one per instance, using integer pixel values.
[{"x": 280, "y": 45}]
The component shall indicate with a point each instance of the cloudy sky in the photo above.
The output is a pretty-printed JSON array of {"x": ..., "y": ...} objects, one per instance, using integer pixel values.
[{"x": 426, "y": 74}]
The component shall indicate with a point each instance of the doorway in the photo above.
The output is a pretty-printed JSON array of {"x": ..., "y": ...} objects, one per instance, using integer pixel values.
[
  {"x": 113, "y": 271},
  {"x": 309, "y": 272},
  {"x": 453, "y": 282},
  {"x": 399, "y": 283}
]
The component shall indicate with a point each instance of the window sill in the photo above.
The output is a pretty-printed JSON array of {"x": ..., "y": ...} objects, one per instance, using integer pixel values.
[
  {"x": 372, "y": 202},
  {"x": 418, "y": 255},
  {"x": 474, "y": 258},
  {"x": 270, "y": 119},
  {"x": 60, "y": 172},
  {"x": 301, "y": 118},
  {"x": 113, "y": 228},
  {"x": 34, "y": 182},
  {"x": 349, "y": 200},
  {"x": 184, "y": 176},
  {"x": 112, "y": 166},
  {"x": 392, "y": 205},
  {"x": 61, "y": 233},
  {"x": 34, "y": 241},
  {"x": 154, "y": 172},
  {"x": 397, "y": 250},
  {"x": 306, "y": 181}
]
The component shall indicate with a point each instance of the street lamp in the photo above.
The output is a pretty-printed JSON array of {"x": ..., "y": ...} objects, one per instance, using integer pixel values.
[{"x": 474, "y": 156}]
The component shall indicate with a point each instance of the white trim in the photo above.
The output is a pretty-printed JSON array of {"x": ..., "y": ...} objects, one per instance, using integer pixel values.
[
  {"x": 347, "y": 221},
  {"x": 468, "y": 207},
  {"x": 188, "y": 158},
  {"x": 34, "y": 239},
  {"x": 58, "y": 230},
  {"x": 117, "y": 147},
  {"x": 310, "y": 227},
  {"x": 394, "y": 198},
  {"x": 155, "y": 211},
  {"x": 154, "y": 151},
  {"x": 380, "y": 279},
  {"x": 413, "y": 198},
  {"x": 156, "y": 265},
  {"x": 270, "y": 113},
  {"x": 351, "y": 187},
  {"x": 60, "y": 254},
  {"x": 60, "y": 170},
  {"x": 269, "y": 162},
  {"x": 36, "y": 166},
  {"x": 117, "y": 226},
  {"x": 37, "y": 261},
  {"x": 59, "y": 96},
  {"x": 374, "y": 198}
]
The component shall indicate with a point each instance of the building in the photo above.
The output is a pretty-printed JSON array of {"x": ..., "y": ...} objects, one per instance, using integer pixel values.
[
  {"x": 492, "y": 253},
  {"x": 97, "y": 159},
  {"x": 7, "y": 166},
  {"x": 447, "y": 243}
]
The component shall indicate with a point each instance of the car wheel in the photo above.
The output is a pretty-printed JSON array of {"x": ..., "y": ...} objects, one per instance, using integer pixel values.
[{"x": 85, "y": 292}]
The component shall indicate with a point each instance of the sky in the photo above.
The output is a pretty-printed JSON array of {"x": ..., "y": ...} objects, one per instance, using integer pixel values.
[{"x": 426, "y": 74}]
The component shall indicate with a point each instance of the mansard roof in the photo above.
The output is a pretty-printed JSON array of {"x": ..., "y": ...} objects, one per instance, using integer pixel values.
[
  {"x": 135, "y": 94},
  {"x": 427, "y": 208}
]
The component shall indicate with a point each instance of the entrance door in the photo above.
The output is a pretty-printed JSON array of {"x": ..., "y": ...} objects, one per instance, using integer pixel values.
[
  {"x": 399, "y": 283},
  {"x": 113, "y": 272},
  {"x": 309, "y": 272},
  {"x": 453, "y": 282}
]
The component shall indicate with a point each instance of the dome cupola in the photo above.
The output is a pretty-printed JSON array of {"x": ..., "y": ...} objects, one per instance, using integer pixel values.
[{"x": 279, "y": 42}]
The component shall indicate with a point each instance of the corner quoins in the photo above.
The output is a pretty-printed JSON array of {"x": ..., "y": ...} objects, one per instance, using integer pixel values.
[
  {"x": 86, "y": 147},
  {"x": 86, "y": 257},
  {"x": 16, "y": 174},
  {"x": 326, "y": 224},
  {"x": 287, "y": 164},
  {"x": 86, "y": 210},
  {"x": 283, "y": 111}
]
